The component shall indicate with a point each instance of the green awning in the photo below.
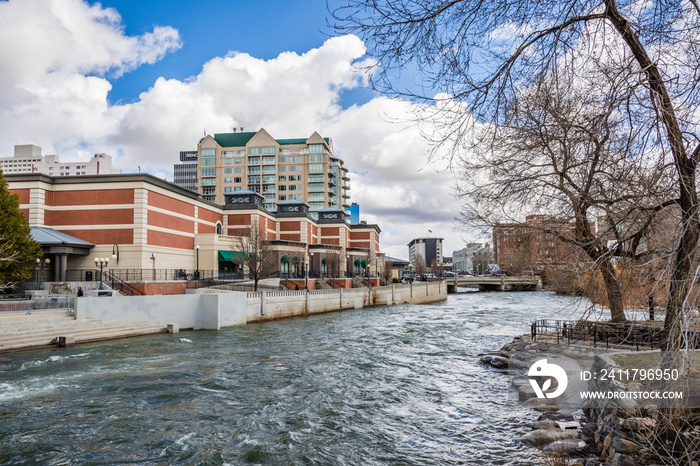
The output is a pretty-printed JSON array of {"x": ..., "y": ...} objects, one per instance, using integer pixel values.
[
  {"x": 357, "y": 262},
  {"x": 231, "y": 256},
  {"x": 323, "y": 261},
  {"x": 285, "y": 258},
  {"x": 364, "y": 262}
]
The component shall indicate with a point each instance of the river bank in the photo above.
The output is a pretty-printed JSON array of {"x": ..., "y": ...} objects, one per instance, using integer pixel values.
[{"x": 573, "y": 430}]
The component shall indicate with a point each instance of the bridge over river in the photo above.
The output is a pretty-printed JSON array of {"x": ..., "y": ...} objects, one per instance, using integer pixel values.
[{"x": 503, "y": 283}]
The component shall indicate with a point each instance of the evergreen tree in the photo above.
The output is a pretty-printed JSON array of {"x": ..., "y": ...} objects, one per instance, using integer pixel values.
[{"x": 18, "y": 250}]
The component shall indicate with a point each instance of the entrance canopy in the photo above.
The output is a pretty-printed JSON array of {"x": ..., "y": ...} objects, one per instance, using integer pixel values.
[{"x": 231, "y": 256}]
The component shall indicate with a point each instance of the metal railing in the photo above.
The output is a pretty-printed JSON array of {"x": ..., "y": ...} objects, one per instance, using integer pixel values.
[
  {"x": 117, "y": 284},
  {"x": 608, "y": 333}
]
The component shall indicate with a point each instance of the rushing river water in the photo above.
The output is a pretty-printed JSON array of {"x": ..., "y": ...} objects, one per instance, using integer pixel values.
[{"x": 392, "y": 385}]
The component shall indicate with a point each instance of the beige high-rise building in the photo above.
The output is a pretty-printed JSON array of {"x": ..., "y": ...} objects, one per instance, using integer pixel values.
[{"x": 304, "y": 169}]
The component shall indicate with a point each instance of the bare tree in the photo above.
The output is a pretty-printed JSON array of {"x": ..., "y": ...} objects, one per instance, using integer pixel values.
[
  {"x": 420, "y": 265},
  {"x": 566, "y": 151},
  {"x": 387, "y": 271},
  {"x": 258, "y": 260},
  {"x": 480, "y": 54},
  {"x": 333, "y": 264}
]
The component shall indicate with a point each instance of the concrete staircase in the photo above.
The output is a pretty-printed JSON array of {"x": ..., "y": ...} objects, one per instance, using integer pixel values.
[{"x": 37, "y": 330}]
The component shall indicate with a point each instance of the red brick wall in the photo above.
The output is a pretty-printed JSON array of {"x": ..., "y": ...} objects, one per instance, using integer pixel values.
[
  {"x": 111, "y": 236},
  {"x": 158, "y": 219},
  {"x": 159, "y": 238},
  {"x": 90, "y": 197},
  {"x": 170, "y": 204},
  {"x": 89, "y": 217}
]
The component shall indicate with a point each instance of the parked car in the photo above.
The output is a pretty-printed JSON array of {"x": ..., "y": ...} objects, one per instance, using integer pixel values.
[{"x": 449, "y": 274}]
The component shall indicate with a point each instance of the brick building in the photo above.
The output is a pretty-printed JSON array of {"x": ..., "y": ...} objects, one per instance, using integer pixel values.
[
  {"x": 154, "y": 224},
  {"x": 532, "y": 245}
]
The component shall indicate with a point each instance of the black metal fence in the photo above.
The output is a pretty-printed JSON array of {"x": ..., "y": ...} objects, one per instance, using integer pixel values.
[{"x": 606, "y": 333}]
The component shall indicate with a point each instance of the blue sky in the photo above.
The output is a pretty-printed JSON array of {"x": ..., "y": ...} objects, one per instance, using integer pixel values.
[
  {"x": 143, "y": 80},
  {"x": 262, "y": 28}
]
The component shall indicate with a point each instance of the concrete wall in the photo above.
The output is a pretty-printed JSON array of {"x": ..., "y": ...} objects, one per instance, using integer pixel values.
[
  {"x": 195, "y": 311},
  {"x": 206, "y": 310}
]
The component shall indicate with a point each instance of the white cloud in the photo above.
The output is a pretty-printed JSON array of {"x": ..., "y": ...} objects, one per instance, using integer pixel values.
[{"x": 56, "y": 96}]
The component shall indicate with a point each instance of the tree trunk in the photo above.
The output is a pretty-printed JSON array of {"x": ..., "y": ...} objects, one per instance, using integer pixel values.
[{"x": 612, "y": 287}]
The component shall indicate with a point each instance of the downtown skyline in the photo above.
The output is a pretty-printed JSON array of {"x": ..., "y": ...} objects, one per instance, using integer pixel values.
[{"x": 142, "y": 83}]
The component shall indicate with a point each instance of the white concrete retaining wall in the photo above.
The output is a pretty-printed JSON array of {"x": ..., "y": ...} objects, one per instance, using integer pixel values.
[{"x": 217, "y": 310}]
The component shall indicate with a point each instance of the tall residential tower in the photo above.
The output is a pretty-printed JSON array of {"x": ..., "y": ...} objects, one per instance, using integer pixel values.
[{"x": 304, "y": 169}]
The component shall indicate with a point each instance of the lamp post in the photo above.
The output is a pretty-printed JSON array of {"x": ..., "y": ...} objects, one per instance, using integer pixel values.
[
  {"x": 115, "y": 252},
  {"x": 306, "y": 275},
  {"x": 369, "y": 266},
  {"x": 40, "y": 266},
  {"x": 196, "y": 273},
  {"x": 101, "y": 262}
]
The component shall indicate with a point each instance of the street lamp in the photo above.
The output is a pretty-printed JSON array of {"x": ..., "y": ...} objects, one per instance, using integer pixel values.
[
  {"x": 40, "y": 266},
  {"x": 306, "y": 275},
  {"x": 196, "y": 274},
  {"x": 115, "y": 252},
  {"x": 101, "y": 262}
]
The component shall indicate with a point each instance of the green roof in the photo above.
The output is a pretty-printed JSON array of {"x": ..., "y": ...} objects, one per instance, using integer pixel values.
[
  {"x": 233, "y": 139},
  {"x": 241, "y": 139}
]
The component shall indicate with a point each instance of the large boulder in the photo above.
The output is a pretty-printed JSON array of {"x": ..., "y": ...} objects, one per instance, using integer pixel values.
[{"x": 541, "y": 437}]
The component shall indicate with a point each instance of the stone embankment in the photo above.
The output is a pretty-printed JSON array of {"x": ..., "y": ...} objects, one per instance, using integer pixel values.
[{"x": 585, "y": 433}]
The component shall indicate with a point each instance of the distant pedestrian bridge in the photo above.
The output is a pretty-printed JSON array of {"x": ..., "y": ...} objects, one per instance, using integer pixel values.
[{"x": 504, "y": 283}]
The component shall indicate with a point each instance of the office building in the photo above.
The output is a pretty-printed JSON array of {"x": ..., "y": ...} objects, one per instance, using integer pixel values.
[
  {"x": 305, "y": 169},
  {"x": 28, "y": 158},
  {"x": 185, "y": 172},
  {"x": 354, "y": 211},
  {"x": 430, "y": 250},
  {"x": 466, "y": 259}
]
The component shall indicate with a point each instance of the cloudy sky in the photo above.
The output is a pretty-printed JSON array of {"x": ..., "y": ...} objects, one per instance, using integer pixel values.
[{"x": 143, "y": 80}]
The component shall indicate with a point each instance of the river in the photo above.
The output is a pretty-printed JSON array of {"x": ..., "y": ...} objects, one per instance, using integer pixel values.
[{"x": 389, "y": 385}]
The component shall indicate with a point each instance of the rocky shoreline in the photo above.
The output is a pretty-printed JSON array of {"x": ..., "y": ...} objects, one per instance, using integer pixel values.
[{"x": 569, "y": 433}]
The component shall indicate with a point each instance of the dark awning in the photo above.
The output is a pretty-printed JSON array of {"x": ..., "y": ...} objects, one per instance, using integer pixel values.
[
  {"x": 231, "y": 256},
  {"x": 364, "y": 262},
  {"x": 323, "y": 261},
  {"x": 285, "y": 258},
  {"x": 357, "y": 262}
]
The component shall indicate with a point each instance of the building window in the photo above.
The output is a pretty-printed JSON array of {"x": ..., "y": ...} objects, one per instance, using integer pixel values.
[
  {"x": 315, "y": 157},
  {"x": 208, "y": 152},
  {"x": 238, "y": 161},
  {"x": 254, "y": 161},
  {"x": 282, "y": 197},
  {"x": 237, "y": 179},
  {"x": 315, "y": 148},
  {"x": 227, "y": 180},
  {"x": 238, "y": 170},
  {"x": 208, "y": 171},
  {"x": 229, "y": 153},
  {"x": 208, "y": 181},
  {"x": 268, "y": 160},
  {"x": 229, "y": 161},
  {"x": 282, "y": 188},
  {"x": 227, "y": 171},
  {"x": 282, "y": 178},
  {"x": 316, "y": 168},
  {"x": 284, "y": 151},
  {"x": 227, "y": 189},
  {"x": 261, "y": 151},
  {"x": 207, "y": 162}
]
